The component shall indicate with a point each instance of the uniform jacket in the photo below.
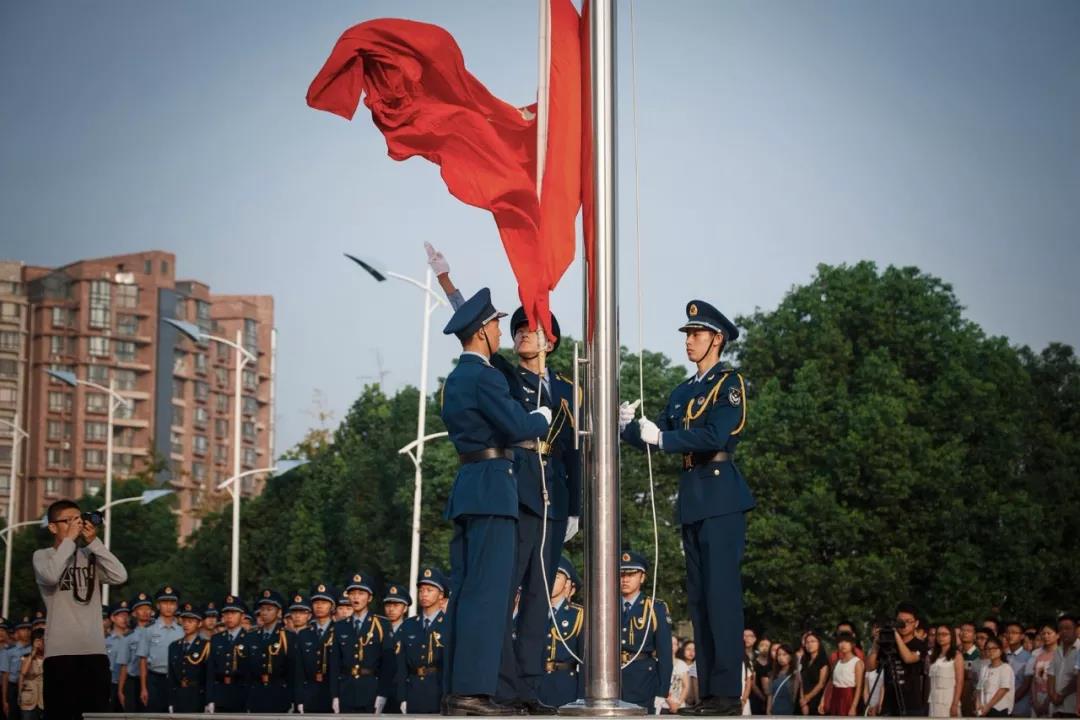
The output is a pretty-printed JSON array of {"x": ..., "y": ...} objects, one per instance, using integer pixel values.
[
  {"x": 311, "y": 662},
  {"x": 227, "y": 666},
  {"x": 362, "y": 664},
  {"x": 647, "y": 627},
  {"x": 187, "y": 675},
  {"x": 418, "y": 648}
]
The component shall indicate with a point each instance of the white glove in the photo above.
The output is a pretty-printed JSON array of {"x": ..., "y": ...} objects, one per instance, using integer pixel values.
[
  {"x": 626, "y": 413},
  {"x": 380, "y": 703},
  {"x": 210, "y": 708},
  {"x": 572, "y": 524},
  {"x": 436, "y": 261},
  {"x": 170, "y": 710},
  {"x": 335, "y": 705},
  {"x": 545, "y": 412},
  {"x": 300, "y": 708},
  {"x": 403, "y": 707},
  {"x": 659, "y": 703},
  {"x": 650, "y": 433}
]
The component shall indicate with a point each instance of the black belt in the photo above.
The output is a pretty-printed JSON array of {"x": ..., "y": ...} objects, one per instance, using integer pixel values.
[
  {"x": 643, "y": 656},
  {"x": 485, "y": 454},
  {"x": 543, "y": 445},
  {"x": 424, "y": 671},
  {"x": 693, "y": 460},
  {"x": 553, "y": 665}
]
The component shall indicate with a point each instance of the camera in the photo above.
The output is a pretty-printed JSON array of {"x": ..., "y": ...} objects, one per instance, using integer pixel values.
[
  {"x": 886, "y": 639},
  {"x": 94, "y": 518}
]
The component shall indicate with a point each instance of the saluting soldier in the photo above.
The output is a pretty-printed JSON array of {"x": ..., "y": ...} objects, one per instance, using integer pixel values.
[
  {"x": 396, "y": 602},
  {"x": 116, "y": 643},
  {"x": 226, "y": 671},
  {"x": 210, "y": 620},
  {"x": 187, "y": 664},
  {"x": 563, "y": 681},
  {"x": 703, "y": 421},
  {"x": 646, "y": 638},
  {"x": 311, "y": 660},
  {"x": 362, "y": 664},
  {"x": 421, "y": 647},
  {"x": 153, "y": 651},
  {"x": 128, "y": 682},
  {"x": 268, "y": 663}
]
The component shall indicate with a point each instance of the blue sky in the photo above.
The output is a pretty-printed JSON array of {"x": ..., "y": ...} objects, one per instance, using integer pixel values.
[{"x": 773, "y": 136}]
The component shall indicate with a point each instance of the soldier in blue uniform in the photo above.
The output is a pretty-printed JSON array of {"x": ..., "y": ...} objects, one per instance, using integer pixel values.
[
  {"x": 362, "y": 664},
  {"x": 563, "y": 680},
  {"x": 646, "y": 638},
  {"x": 226, "y": 670},
  {"x": 549, "y": 492},
  {"x": 187, "y": 664},
  {"x": 396, "y": 602},
  {"x": 484, "y": 421},
  {"x": 128, "y": 682},
  {"x": 703, "y": 421},
  {"x": 421, "y": 647},
  {"x": 116, "y": 648},
  {"x": 299, "y": 612},
  {"x": 153, "y": 652},
  {"x": 311, "y": 660},
  {"x": 12, "y": 658},
  {"x": 344, "y": 610},
  {"x": 210, "y": 620},
  {"x": 268, "y": 665}
]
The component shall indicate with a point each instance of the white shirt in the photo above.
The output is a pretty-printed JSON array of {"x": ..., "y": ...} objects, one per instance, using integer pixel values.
[{"x": 992, "y": 679}]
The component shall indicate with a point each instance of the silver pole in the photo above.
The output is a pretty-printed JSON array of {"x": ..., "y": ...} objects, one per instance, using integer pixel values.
[
  {"x": 238, "y": 389},
  {"x": 603, "y": 681},
  {"x": 109, "y": 475},
  {"x": 421, "y": 424},
  {"x": 13, "y": 490}
]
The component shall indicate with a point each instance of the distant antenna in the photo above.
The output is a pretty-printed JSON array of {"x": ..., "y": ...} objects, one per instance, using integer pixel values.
[{"x": 381, "y": 371}]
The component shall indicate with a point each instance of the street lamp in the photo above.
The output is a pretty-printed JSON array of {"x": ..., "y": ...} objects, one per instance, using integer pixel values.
[
  {"x": 243, "y": 357},
  {"x": 232, "y": 484},
  {"x": 431, "y": 303},
  {"x": 115, "y": 400},
  {"x": 17, "y": 436}
]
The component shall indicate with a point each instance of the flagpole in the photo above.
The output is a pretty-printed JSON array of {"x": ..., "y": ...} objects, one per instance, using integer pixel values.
[
  {"x": 543, "y": 65},
  {"x": 600, "y": 449}
]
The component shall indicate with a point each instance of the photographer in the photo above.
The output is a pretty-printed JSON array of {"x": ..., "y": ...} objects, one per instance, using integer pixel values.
[
  {"x": 901, "y": 657},
  {"x": 70, "y": 574}
]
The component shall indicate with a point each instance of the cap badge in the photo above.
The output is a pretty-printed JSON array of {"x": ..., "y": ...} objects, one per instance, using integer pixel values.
[
  {"x": 427, "y": 572},
  {"x": 626, "y": 557},
  {"x": 692, "y": 310},
  {"x": 298, "y": 599},
  {"x": 321, "y": 588},
  {"x": 356, "y": 578},
  {"x": 266, "y": 593},
  {"x": 168, "y": 589}
]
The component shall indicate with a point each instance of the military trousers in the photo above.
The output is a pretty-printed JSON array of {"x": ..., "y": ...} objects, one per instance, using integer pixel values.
[
  {"x": 157, "y": 690},
  {"x": 482, "y": 564},
  {"x": 714, "y": 551}
]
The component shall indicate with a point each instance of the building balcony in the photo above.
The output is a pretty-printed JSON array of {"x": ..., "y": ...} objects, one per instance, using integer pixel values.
[{"x": 131, "y": 422}]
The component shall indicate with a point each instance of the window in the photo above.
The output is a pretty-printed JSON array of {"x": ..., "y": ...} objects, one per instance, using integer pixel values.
[
  {"x": 178, "y": 387},
  {"x": 125, "y": 411},
  {"x": 127, "y": 296},
  {"x": 53, "y": 485},
  {"x": 221, "y": 402},
  {"x": 60, "y": 401},
  {"x": 202, "y": 416},
  {"x": 251, "y": 336},
  {"x": 198, "y": 472},
  {"x": 125, "y": 351},
  {"x": 176, "y": 443},
  {"x": 9, "y": 367},
  {"x": 221, "y": 375},
  {"x": 126, "y": 438},
  {"x": 8, "y": 395},
  {"x": 201, "y": 445},
  {"x": 250, "y": 405},
  {"x": 178, "y": 365},
  {"x": 200, "y": 362},
  {"x": 247, "y": 429},
  {"x": 10, "y": 288},
  {"x": 100, "y": 293},
  {"x": 222, "y": 351},
  {"x": 94, "y": 458},
  {"x": 123, "y": 462},
  {"x": 5, "y": 454},
  {"x": 95, "y": 431},
  {"x": 147, "y": 267},
  {"x": 92, "y": 487},
  {"x": 221, "y": 427},
  {"x": 58, "y": 430},
  {"x": 221, "y": 453},
  {"x": 127, "y": 325},
  {"x": 97, "y": 374},
  {"x": 99, "y": 346},
  {"x": 57, "y": 457},
  {"x": 97, "y": 403},
  {"x": 249, "y": 457},
  {"x": 125, "y": 379},
  {"x": 5, "y": 485},
  {"x": 9, "y": 311},
  {"x": 164, "y": 267},
  {"x": 57, "y": 345},
  {"x": 202, "y": 390},
  {"x": 250, "y": 380},
  {"x": 10, "y": 340},
  {"x": 100, "y": 317},
  {"x": 177, "y": 416},
  {"x": 61, "y": 317}
]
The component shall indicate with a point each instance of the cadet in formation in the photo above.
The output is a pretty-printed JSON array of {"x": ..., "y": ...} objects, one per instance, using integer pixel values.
[
  {"x": 396, "y": 604},
  {"x": 314, "y": 645},
  {"x": 268, "y": 660},
  {"x": 188, "y": 663},
  {"x": 153, "y": 652},
  {"x": 210, "y": 620},
  {"x": 563, "y": 680},
  {"x": 226, "y": 687},
  {"x": 12, "y": 658},
  {"x": 116, "y": 643},
  {"x": 646, "y": 657},
  {"x": 703, "y": 421},
  {"x": 362, "y": 664},
  {"x": 422, "y": 646},
  {"x": 128, "y": 679}
]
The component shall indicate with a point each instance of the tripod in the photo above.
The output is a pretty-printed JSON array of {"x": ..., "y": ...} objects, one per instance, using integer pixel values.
[{"x": 887, "y": 659}]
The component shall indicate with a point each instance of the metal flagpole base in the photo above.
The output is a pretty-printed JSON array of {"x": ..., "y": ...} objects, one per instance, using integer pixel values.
[{"x": 601, "y": 708}]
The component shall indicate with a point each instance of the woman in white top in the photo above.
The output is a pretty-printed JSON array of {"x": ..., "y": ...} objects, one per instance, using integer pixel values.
[
  {"x": 946, "y": 675},
  {"x": 996, "y": 690},
  {"x": 680, "y": 678}
]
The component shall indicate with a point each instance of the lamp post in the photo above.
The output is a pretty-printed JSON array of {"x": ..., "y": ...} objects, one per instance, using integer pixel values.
[
  {"x": 115, "y": 400},
  {"x": 17, "y": 436},
  {"x": 243, "y": 357},
  {"x": 431, "y": 303}
]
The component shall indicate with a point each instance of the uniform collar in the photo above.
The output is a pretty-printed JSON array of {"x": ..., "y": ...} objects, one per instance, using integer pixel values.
[
  {"x": 233, "y": 633},
  {"x": 633, "y": 601},
  {"x": 557, "y": 606},
  {"x": 433, "y": 617},
  {"x": 699, "y": 377},
  {"x": 359, "y": 619},
  {"x": 469, "y": 355}
]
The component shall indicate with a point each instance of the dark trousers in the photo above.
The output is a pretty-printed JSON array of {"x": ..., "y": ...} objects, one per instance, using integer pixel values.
[
  {"x": 482, "y": 564},
  {"x": 76, "y": 684},
  {"x": 423, "y": 695},
  {"x": 714, "y": 550},
  {"x": 157, "y": 691}
]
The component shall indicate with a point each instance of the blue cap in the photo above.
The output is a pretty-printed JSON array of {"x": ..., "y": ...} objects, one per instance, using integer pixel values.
[
  {"x": 25, "y": 622},
  {"x": 210, "y": 609},
  {"x": 5, "y": 625},
  {"x": 232, "y": 602},
  {"x": 472, "y": 315},
  {"x": 123, "y": 606},
  {"x": 166, "y": 593},
  {"x": 190, "y": 610},
  {"x": 359, "y": 581},
  {"x": 39, "y": 618},
  {"x": 431, "y": 575},
  {"x": 322, "y": 591},
  {"x": 567, "y": 568},
  {"x": 139, "y": 600},
  {"x": 396, "y": 593},
  {"x": 270, "y": 597},
  {"x": 299, "y": 602},
  {"x": 519, "y": 318},
  {"x": 702, "y": 315},
  {"x": 633, "y": 561}
]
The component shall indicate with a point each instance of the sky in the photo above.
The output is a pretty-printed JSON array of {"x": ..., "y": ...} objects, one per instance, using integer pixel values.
[{"x": 773, "y": 136}]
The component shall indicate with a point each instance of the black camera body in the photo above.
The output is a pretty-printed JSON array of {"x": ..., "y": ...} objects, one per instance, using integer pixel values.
[
  {"x": 886, "y": 639},
  {"x": 94, "y": 518}
]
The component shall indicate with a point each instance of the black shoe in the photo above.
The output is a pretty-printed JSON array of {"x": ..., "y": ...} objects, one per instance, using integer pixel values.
[
  {"x": 535, "y": 707},
  {"x": 718, "y": 706},
  {"x": 476, "y": 705}
]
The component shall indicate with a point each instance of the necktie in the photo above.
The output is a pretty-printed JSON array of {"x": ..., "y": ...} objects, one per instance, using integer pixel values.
[
  {"x": 427, "y": 623},
  {"x": 626, "y": 610}
]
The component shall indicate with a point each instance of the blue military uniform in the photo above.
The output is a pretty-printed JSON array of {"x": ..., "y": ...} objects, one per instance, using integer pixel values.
[
  {"x": 703, "y": 421},
  {"x": 362, "y": 664},
  {"x": 396, "y": 593},
  {"x": 187, "y": 668},
  {"x": 128, "y": 657},
  {"x": 563, "y": 680},
  {"x": 421, "y": 648},
  {"x": 483, "y": 421},
  {"x": 311, "y": 660},
  {"x": 116, "y": 650},
  {"x": 268, "y": 665},
  {"x": 13, "y": 659},
  {"x": 154, "y": 649},
  {"x": 210, "y": 612},
  {"x": 646, "y": 643},
  {"x": 226, "y": 671}
]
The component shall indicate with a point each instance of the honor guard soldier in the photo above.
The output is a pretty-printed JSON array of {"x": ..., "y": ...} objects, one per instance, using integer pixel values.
[
  {"x": 563, "y": 681},
  {"x": 362, "y": 665},
  {"x": 703, "y": 421},
  {"x": 421, "y": 646},
  {"x": 646, "y": 638},
  {"x": 311, "y": 660},
  {"x": 344, "y": 609},
  {"x": 484, "y": 421},
  {"x": 210, "y": 620},
  {"x": 153, "y": 651},
  {"x": 128, "y": 682},
  {"x": 187, "y": 664},
  {"x": 396, "y": 602},
  {"x": 299, "y": 612},
  {"x": 226, "y": 672},
  {"x": 268, "y": 661},
  {"x": 116, "y": 648}
]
